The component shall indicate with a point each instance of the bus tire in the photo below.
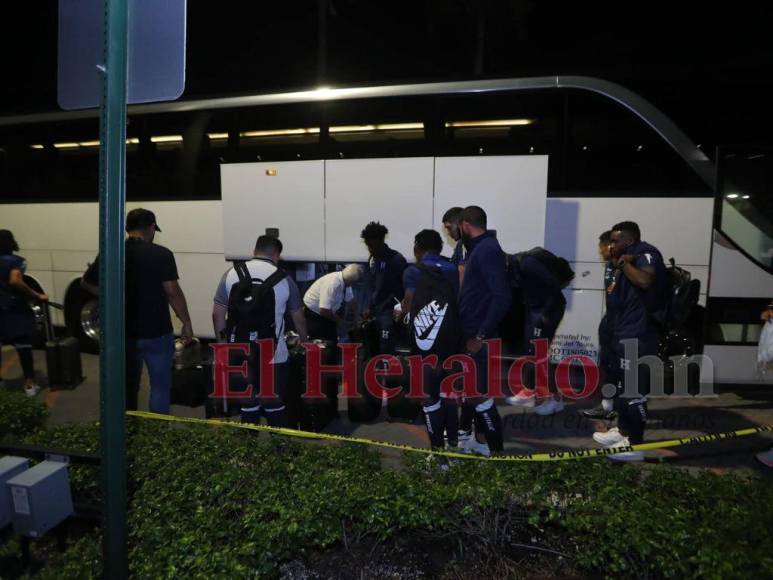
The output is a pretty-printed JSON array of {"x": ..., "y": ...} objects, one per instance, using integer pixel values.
[{"x": 77, "y": 303}]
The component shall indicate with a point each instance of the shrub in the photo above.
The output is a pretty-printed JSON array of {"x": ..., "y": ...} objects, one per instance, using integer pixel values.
[
  {"x": 220, "y": 502},
  {"x": 20, "y": 415}
]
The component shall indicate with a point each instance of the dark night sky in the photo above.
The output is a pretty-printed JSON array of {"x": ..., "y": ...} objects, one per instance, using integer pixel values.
[{"x": 708, "y": 67}]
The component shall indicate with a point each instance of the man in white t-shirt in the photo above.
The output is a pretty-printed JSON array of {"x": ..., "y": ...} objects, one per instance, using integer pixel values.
[
  {"x": 268, "y": 250},
  {"x": 323, "y": 301}
]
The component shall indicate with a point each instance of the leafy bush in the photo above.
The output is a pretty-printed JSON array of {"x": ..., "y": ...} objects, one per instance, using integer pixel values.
[
  {"x": 20, "y": 415},
  {"x": 219, "y": 502}
]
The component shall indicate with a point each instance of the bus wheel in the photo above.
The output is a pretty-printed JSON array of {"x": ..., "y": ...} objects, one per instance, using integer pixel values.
[{"x": 81, "y": 314}]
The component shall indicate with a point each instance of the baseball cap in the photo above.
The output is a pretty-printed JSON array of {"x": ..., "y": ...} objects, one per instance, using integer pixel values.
[{"x": 138, "y": 219}]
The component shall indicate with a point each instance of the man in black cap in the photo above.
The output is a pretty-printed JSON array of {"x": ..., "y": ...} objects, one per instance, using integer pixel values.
[{"x": 151, "y": 287}]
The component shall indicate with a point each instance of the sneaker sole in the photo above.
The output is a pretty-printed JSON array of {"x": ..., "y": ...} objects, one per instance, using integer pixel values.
[
  {"x": 606, "y": 443},
  {"x": 516, "y": 403}
]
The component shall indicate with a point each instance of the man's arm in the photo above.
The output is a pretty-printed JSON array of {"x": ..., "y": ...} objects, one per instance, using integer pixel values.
[
  {"x": 499, "y": 289},
  {"x": 299, "y": 320},
  {"x": 218, "y": 319},
  {"x": 17, "y": 281},
  {"x": 642, "y": 276},
  {"x": 295, "y": 306},
  {"x": 405, "y": 305},
  {"x": 326, "y": 301},
  {"x": 330, "y": 315},
  {"x": 176, "y": 298}
]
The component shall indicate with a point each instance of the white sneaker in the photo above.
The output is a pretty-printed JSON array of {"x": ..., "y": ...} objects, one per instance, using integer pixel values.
[
  {"x": 766, "y": 457},
  {"x": 31, "y": 390},
  {"x": 462, "y": 437},
  {"x": 549, "y": 407},
  {"x": 608, "y": 438},
  {"x": 625, "y": 455},
  {"x": 521, "y": 400},
  {"x": 473, "y": 446}
]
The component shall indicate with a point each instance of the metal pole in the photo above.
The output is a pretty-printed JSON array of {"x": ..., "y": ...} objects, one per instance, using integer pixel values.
[{"x": 111, "y": 275}]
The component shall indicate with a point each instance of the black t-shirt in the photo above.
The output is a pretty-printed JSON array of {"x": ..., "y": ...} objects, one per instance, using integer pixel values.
[{"x": 148, "y": 266}]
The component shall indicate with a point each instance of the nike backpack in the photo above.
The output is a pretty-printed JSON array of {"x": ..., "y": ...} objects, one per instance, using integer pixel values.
[{"x": 434, "y": 317}]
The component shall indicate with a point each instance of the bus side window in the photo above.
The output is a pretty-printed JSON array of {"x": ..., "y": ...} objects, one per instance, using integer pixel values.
[{"x": 611, "y": 150}]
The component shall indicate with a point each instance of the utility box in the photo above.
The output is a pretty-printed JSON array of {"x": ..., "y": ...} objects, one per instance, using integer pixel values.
[
  {"x": 9, "y": 467},
  {"x": 41, "y": 498}
]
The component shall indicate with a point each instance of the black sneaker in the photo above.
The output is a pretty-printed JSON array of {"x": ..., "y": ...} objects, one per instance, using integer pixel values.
[{"x": 599, "y": 413}]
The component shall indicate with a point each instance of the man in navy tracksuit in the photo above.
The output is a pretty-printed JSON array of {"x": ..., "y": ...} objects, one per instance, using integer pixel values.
[
  {"x": 484, "y": 299},
  {"x": 635, "y": 292},
  {"x": 384, "y": 283},
  {"x": 545, "y": 306}
]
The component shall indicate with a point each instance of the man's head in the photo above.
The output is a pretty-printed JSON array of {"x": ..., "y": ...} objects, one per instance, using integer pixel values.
[
  {"x": 472, "y": 222},
  {"x": 268, "y": 247},
  {"x": 604, "y": 241},
  {"x": 451, "y": 222},
  {"x": 623, "y": 235},
  {"x": 427, "y": 242},
  {"x": 352, "y": 274},
  {"x": 142, "y": 223},
  {"x": 8, "y": 244},
  {"x": 373, "y": 235}
]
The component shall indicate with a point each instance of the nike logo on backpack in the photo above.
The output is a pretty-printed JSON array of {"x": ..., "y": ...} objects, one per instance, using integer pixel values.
[{"x": 427, "y": 324}]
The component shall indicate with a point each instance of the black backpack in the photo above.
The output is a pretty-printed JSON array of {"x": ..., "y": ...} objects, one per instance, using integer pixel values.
[
  {"x": 434, "y": 317},
  {"x": 684, "y": 293},
  {"x": 559, "y": 266},
  {"x": 251, "y": 306}
]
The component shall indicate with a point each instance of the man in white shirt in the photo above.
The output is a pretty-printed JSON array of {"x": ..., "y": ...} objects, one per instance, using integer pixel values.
[
  {"x": 324, "y": 299},
  {"x": 286, "y": 298}
]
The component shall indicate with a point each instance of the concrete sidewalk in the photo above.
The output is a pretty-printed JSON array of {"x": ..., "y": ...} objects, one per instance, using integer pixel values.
[{"x": 525, "y": 432}]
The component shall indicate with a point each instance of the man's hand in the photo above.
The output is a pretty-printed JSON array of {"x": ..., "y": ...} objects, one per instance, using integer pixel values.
[
  {"x": 626, "y": 259},
  {"x": 43, "y": 297},
  {"x": 473, "y": 345},
  {"x": 186, "y": 333}
]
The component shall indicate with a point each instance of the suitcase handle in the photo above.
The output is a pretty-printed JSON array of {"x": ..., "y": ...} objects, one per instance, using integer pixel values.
[{"x": 47, "y": 317}]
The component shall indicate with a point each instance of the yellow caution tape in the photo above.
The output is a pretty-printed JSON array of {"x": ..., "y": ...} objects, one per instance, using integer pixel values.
[{"x": 551, "y": 456}]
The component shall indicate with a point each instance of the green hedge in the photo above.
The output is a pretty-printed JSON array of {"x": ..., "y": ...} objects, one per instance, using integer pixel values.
[
  {"x": 20, "y": 415},
  {"x": 218, "y": 502}
]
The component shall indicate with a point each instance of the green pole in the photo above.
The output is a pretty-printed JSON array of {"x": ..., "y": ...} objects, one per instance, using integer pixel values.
[{"x": 111, "y": 274}]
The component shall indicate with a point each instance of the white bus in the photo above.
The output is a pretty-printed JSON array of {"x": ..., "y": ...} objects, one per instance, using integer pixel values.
[{"x": 555, "y": 161}]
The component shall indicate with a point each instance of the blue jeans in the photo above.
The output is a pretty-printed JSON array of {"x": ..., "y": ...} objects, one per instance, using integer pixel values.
[{"x": 158, "y": 354}]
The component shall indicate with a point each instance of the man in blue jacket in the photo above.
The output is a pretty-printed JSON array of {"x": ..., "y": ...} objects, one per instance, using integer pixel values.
[
  {"x": 384, "y": 283},
  {"x": 484, "y": 299},
  {"x": 635, "y": 292}
]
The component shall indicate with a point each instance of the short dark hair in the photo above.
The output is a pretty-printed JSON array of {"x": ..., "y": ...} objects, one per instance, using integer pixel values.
[
  {"x": 267, "y": 243},
  {"x": 452, "y": 215},
  {"x": 631, "y": 228},
  {"x": 8, "y": 244},
  {"x": 374, "y": 231},
  {"x": 605, "y": 237},
  {"x": 428, "y": 241},
  {"x": 475, "y": 216}
]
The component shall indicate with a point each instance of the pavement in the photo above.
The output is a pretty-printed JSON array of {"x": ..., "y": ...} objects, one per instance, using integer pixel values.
[{"x": 733, "y": 408}]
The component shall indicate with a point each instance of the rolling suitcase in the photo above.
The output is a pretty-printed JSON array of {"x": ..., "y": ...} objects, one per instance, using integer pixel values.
[{"x": 63, "y": 356}]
